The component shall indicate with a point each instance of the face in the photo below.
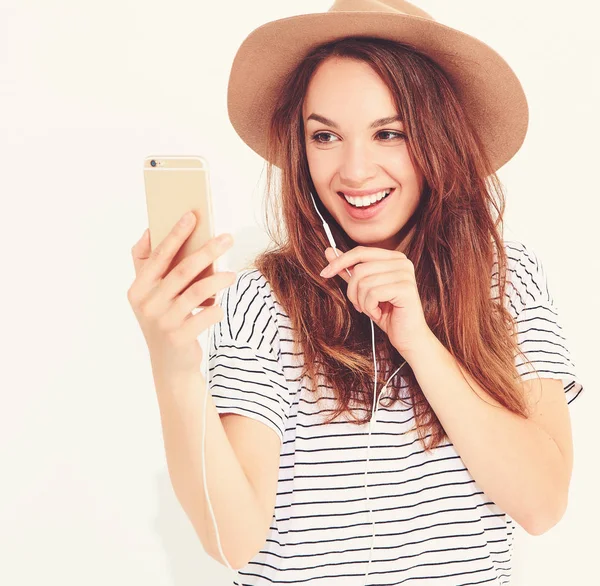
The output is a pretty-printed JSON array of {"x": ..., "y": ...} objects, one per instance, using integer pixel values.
[{"x": 347, "y": 154}]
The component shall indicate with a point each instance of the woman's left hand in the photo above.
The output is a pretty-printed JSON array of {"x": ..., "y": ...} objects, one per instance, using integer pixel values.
[{"x": 383, "y": 286}]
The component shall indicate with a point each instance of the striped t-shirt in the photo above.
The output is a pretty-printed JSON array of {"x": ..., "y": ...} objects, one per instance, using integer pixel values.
[{"x": 433, "y": 523}]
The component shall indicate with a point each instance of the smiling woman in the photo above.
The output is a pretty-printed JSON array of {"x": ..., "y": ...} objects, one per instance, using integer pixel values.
[{"x": 390, "y": 135}]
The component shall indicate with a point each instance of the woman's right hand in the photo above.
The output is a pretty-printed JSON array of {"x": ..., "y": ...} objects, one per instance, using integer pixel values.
[{"x": 163, "y": 304}]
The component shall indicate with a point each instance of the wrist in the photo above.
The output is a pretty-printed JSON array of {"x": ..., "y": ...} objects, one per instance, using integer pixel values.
[
  {"x": 169, "y": 381},
  {"x": 420, "y": 349}
]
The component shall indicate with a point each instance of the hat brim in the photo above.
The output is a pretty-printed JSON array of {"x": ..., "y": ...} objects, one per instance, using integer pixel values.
[{"x": 489, "y": 90}]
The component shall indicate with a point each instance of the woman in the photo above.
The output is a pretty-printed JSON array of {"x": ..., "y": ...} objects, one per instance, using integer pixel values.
[{"x": 471, "y": 430}]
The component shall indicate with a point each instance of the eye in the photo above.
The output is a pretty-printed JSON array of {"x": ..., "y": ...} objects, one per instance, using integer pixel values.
[
  {"x": 397, "y": 134},
  {"x": 316, "y": 135}
]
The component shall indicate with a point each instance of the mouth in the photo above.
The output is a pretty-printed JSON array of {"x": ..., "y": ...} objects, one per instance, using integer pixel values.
[{"x": 365, "y": 212}]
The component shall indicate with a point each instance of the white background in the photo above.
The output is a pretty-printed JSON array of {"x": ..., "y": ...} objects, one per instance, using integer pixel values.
[{"x": 87, "y": 90}]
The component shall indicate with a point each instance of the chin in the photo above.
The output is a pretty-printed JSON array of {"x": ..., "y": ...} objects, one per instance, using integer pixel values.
[{"x": 376, "y": 241}]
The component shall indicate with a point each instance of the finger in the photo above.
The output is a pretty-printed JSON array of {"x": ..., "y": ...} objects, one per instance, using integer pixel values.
[
  {"x": 330, "y": 255},
  {"x": 189, "y": 268},
  {"x": 179, "y": 279},
  {"x": 374, "y": 291},
  {"x": 345, "y": 273},
  {"x": 152, "y": 264},
  {"x": 141, "y": 250},
  {"x": 365, "y": 272},
  {"x": 197, "y": 323},
  {"x": 196, "y": 294},
  {"x": 363, "y": 254}
]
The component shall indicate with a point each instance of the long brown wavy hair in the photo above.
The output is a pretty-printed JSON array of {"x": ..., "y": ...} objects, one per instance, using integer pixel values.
[{"x": 458, "y": 225}]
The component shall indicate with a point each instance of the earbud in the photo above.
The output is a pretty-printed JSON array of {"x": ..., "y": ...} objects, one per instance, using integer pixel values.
[{"x": 325, "y": 225}]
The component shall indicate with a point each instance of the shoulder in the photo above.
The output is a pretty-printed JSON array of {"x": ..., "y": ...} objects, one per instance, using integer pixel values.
[
  {"x": 526, "y": 279},
  {"x": 518, "y": 254},
  {"x": 251, "y": 311}
]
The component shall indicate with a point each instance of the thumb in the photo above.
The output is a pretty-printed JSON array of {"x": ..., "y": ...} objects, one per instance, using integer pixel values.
[{"x": 330, "y": 253}]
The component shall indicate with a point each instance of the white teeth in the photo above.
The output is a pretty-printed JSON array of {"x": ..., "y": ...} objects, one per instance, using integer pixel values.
[{"x": 367, "y": 199}]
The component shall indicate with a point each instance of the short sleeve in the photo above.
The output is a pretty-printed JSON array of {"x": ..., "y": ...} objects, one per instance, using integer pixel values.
[
  {"x": 539, "y": 330},
  {"x": 245, "y": 374}
]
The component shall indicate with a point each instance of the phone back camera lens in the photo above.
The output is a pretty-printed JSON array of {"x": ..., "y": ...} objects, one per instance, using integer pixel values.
[{"x": 153, "y": 163}]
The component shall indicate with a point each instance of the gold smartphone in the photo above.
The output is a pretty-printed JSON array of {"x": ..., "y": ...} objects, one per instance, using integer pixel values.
[{"x": 176, "y": 185}]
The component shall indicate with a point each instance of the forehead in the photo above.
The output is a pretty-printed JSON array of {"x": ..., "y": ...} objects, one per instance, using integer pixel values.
[{"x": 341, "y": 85}]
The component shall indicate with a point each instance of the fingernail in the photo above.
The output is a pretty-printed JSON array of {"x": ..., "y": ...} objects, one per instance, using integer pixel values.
[
  {"x": 186, "y": 219},
  {"x": 224, "y": 239}
]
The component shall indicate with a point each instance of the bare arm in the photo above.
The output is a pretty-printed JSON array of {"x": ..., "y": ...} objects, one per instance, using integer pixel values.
[
  {"x": 242, "y": 518},
  {"x": 516, "y": 460}
]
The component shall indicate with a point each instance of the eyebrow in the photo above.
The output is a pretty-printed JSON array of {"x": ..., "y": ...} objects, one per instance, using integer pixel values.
[{"x": 375, "y": 124}]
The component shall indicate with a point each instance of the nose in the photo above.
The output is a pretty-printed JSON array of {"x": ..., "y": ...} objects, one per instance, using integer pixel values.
[{"x": 358, "y": 165}]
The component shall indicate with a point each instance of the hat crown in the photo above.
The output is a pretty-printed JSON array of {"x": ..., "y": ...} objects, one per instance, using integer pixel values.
[{"x": 395, "y": 6}]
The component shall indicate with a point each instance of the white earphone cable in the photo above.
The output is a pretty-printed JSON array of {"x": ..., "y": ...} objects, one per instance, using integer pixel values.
[
  {"x": 375, "y": 399},
  {"x": 373, "y": 416},
  {"x": 212, "y": 514}
]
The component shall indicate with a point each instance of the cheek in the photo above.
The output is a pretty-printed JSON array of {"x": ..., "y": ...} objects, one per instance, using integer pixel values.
[
  {"x": 402, "y": 164},
  {"x": 321, "y": 169},
  {"x": 407, "y": 175}
]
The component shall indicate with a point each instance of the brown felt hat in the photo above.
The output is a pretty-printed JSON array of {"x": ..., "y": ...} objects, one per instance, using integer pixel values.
[{"x": 487, "y": 87}]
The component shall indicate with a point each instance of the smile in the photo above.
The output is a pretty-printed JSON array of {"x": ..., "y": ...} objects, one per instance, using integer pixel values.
[
  {"x": 366, "y": 212},
  {"x": 366, "y": 200}
]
